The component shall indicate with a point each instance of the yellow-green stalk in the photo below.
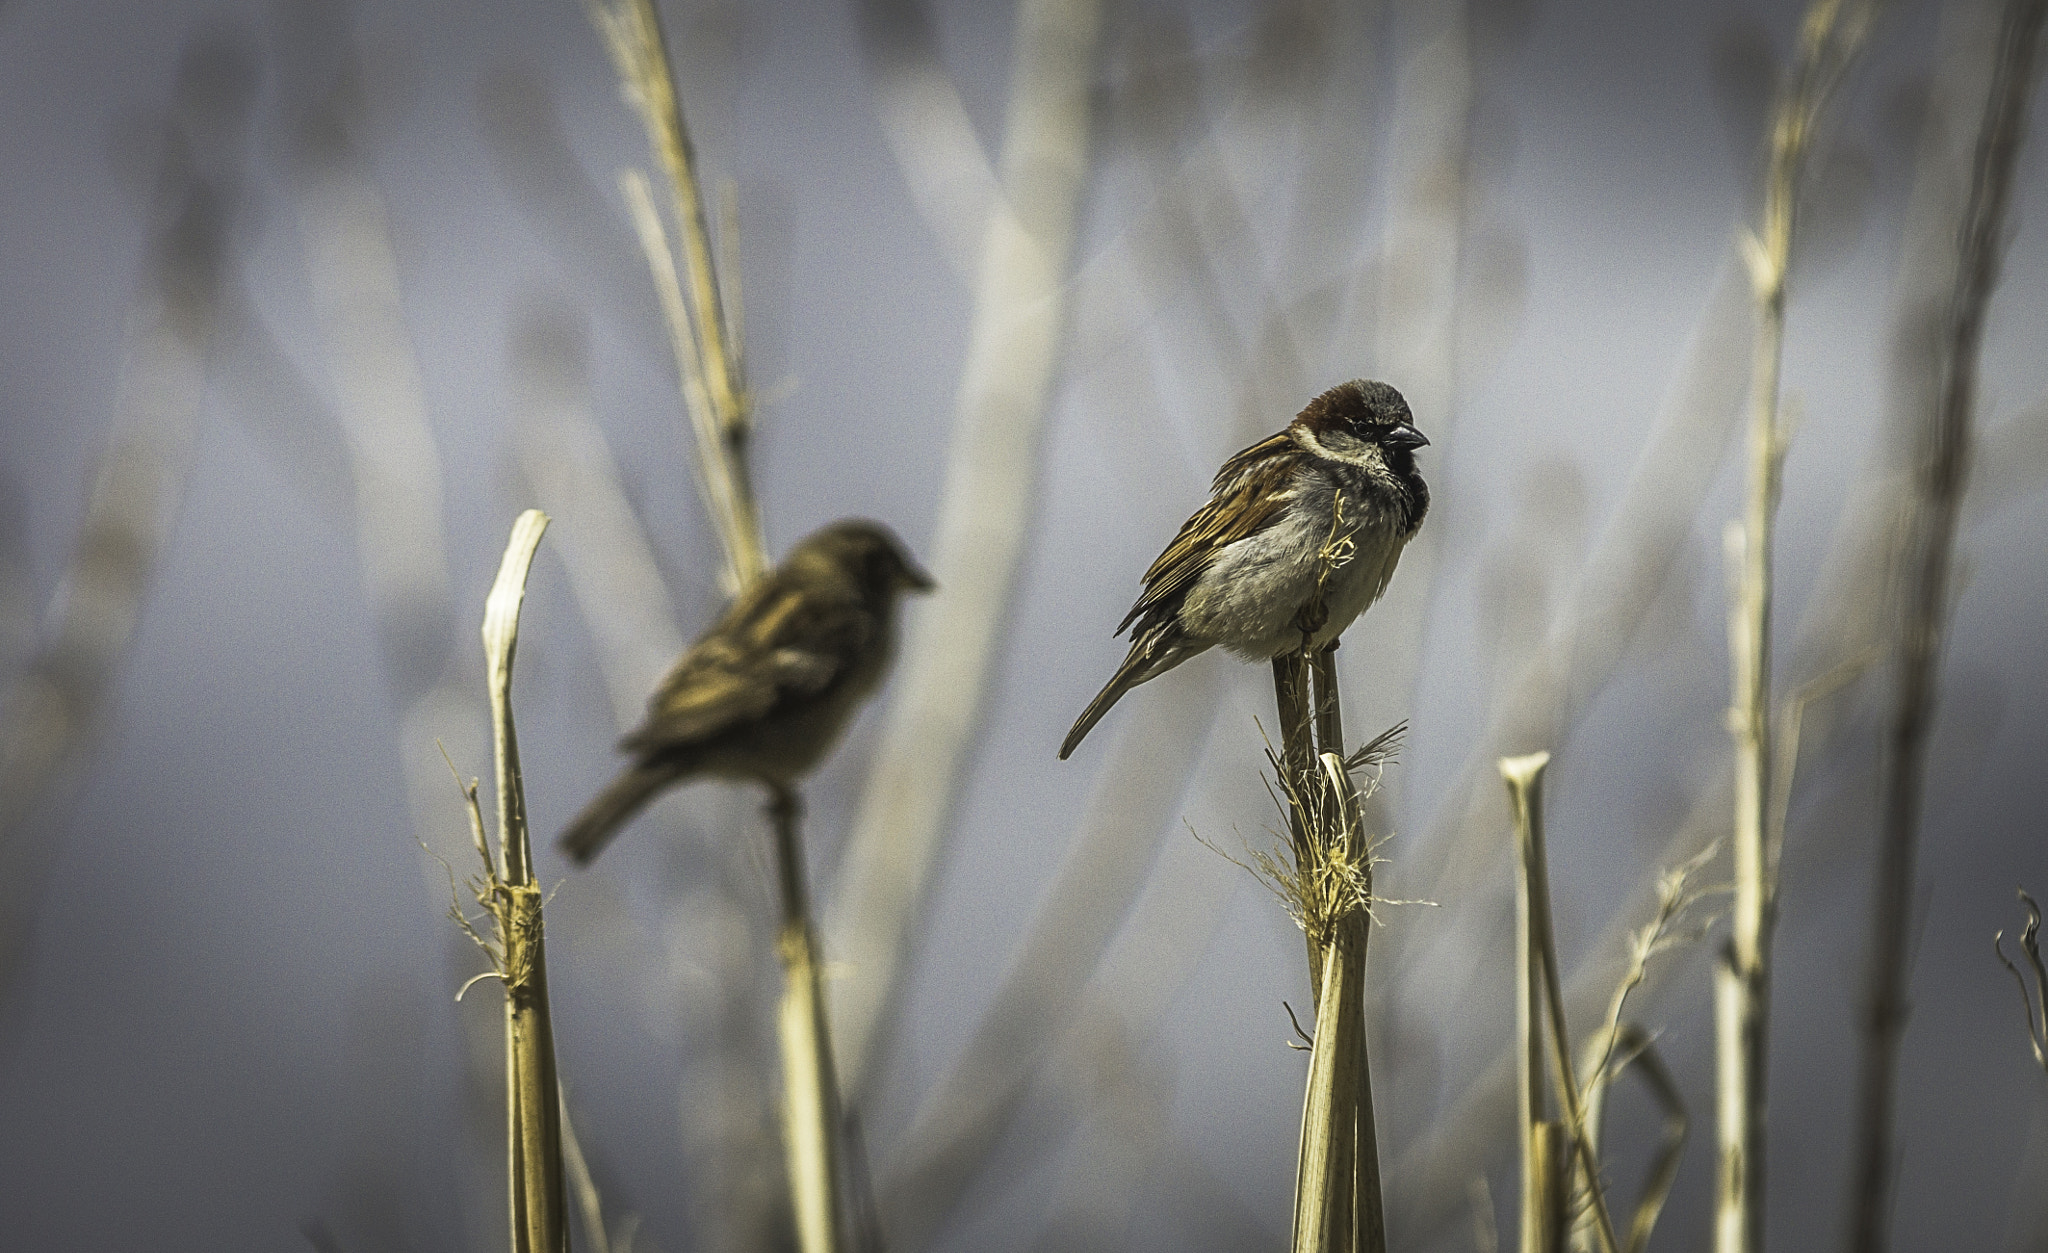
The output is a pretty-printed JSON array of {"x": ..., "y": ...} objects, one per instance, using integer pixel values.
[
  {"x": 1830, "y": 34},
  {"x": 1542, "y": 1159},
  {"x": 1621, "y": 1045},
  {"x": 700, "y": 306},
  {"x": 1337, "y": 1201},
  {"x": 1297, "y": 750},
  {"x": 517, "y": 946},
  {"x": 810, "y": 1090},
  {"x": 1537, "y": 977},
  {"x": 693, "y": 300}
]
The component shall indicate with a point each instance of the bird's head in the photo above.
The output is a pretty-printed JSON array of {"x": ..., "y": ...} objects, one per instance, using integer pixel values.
[
  {"x": 868, "y": 552},
  {"x": 1371, "y": 412}
]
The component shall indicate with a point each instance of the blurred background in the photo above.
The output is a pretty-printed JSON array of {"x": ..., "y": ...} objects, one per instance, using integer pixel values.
[{"x": 304, "y": 301}]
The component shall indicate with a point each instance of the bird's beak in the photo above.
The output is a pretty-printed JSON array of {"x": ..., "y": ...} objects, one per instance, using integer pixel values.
[
  {"x": 916, "y": 580},
  {"x": 1405, "y": 436}
]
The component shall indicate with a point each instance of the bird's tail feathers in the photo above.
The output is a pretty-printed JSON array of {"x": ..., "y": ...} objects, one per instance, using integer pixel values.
[
  {"x": 612, "y": 808},
  {"x": 1140, "y": 665}
]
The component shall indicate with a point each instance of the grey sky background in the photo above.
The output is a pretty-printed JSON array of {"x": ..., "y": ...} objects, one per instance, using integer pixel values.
[{"x": 235, "y": 1013}]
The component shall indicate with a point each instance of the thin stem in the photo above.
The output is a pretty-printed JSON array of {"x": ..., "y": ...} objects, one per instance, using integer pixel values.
[
  {"x": 715, "y": 486},
  {"x": 2034, "y": 1000},
  {"x": 1546, "y": 1205},
  {"x": 1938, "y": 482},
  {"x": 588, "y": 1203},
  {"x": 1367, "y": 1206},
  {"x": 1329, "y": 714},
  {"x": 1630, "y": 1048},
  {"x": 533, "y": 1107},
  {"x": 810, "y": 1093},
  {"x": 1524, "y": 777},
  {"x": 1337, "y": 1199},
  {"x": 1338, "y": 1203},
  {"x": 1015, "y": 341},
  {"x": 706, "y": 342},
  {"x": 1828, "y": 38},
  {"x": 1297, "y": 750},
  {"x": 1674, "y": 898},
  {"x": 1532, "y": 1131},
  {"x": 1323, "y": 1210}
]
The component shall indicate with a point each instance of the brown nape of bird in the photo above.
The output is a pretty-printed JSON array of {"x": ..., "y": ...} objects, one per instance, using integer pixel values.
[
  {"x": 764, "y": 694},
  {"x": 1340, "y": 480}
]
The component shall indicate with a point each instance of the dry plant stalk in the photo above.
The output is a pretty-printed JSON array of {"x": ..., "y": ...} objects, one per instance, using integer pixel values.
[
  {"x": 1675, "y": 898},
  {"x": 614, "y": 579},
  {"x": 810, "y": 1090},
  {"x": 1297, "y": 750},
  {"x": 516, "y": 945},
  {"x": 1830, "y": 35},
  {"x": 589, "y": 1204},
  {"x": 1620, "y": 1046},
  {"x": 705, "y": 334},
  {"x": 1922, "y": 590},
  {"x": 1536, "y": 978},
  {"x": 1546, "y": 1198},
  {"x": 705, "y": 339},
  {"x": 2033, "y": 1001},
  {"x": 1631, "y": 1049},
  {"x": 1337, "y": 1201},
  {"x": 1542, "y": 1228},
  {"x": 1021, "y": 297}
]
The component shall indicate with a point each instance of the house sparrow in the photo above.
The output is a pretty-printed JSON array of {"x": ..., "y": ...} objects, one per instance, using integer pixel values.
[
  {"x": 764, "y": 693},
  {"x": 1317, "y": 514}
]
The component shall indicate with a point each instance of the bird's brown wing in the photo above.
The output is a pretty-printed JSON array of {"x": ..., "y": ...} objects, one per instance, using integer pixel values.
[
  {"x": 1247, "y": 496},
  {"x": 781, "y": 642}
]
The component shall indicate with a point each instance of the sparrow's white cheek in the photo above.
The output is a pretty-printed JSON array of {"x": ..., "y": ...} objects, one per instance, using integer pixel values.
[{"x": 1343, "y": 447}]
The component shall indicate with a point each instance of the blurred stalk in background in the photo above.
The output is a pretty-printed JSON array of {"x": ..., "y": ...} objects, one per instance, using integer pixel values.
[
  {"x": 1830, "y": 35},
  {"x": 53, "y": 703},
  {"x": 699, "y": 300},
  {"x": 1921, "y": 596}
]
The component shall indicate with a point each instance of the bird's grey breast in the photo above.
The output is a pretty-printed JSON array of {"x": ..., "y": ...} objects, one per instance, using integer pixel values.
[
  {"x": 1247, "y": 598},
  {"x": 1365, "y": 526}
]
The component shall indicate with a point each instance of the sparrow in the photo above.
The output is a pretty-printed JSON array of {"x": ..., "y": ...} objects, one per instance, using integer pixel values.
[
  {"x": 1316, "y": 514},
  {"x": 764, "y": 694}
]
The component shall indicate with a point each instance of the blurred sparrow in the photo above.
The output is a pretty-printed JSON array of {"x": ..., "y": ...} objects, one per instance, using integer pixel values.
[
  {"x": 1317, "y": 514},
  {"x": 764, "y": 693}
]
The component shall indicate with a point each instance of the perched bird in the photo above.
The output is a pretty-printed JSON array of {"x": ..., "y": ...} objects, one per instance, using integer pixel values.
[
  {"x": 764, "y": 693},
  {"x": 1317, "y": 513}
]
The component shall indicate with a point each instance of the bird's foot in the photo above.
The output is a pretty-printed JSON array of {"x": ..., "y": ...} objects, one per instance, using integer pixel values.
[
  {"x": 784, "y": 805},
  {"x": 1309, "y": 619}
]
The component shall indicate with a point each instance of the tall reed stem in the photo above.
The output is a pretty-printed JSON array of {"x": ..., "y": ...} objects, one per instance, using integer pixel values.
[
  {"x": 1297, "y": 751},
  {"x": 517, "y": 945},
  {"x": 1543, "y": 1160},
  {"x": 705, "y": 339},
  {"x": 1337, "y": 1200},
  {"x": 1538, "y": 977},
  {"x": 810, "y": 1091},
  {"x": 700, "y": 305},
  {"x": 1831, "y": 31},
  {"x": 1940, "y": 474}
]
